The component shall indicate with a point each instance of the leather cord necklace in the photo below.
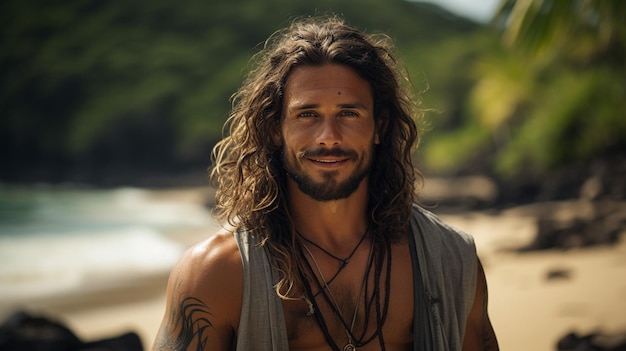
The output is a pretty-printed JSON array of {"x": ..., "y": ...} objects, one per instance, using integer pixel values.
[
  {"x": 350, "y": 346},
  {"x": 342, "y": 261}
]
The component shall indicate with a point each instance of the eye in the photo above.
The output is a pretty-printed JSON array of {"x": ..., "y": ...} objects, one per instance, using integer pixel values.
[
  {"x": 348, "y": 114},
  {"x": 306, "y": 114}
]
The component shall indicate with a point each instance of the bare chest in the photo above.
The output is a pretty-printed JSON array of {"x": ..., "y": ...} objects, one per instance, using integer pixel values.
[{"x": 357, "y": 308}]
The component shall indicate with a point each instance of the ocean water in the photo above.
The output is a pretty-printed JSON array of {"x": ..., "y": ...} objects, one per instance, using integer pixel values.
[{"x": 59, "y": 241}]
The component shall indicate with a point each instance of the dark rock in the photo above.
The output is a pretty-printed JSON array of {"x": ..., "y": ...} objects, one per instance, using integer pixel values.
[
  {"x": 23, "y": 331},
  {"x": 595, "y": 341},
  {"x": 558, "y": 273},
  {"x": 588, "y": 224}
]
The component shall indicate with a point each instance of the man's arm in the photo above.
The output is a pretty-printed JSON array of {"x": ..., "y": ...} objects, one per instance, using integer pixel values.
[
  {"x": 479, "y": 334},
  {"x": 203, "y": 298}
]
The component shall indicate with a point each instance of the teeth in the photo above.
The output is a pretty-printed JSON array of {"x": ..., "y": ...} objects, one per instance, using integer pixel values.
[{"x": 326, "y": 161}]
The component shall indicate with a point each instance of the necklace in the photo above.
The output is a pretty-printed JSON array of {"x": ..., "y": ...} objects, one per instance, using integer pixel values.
[
  {"x": 342, "y": 261},
  {"x": 350, "y": 346}
]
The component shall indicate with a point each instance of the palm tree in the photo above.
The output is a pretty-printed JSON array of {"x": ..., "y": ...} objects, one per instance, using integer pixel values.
[
  {"x": 578, "y": 28},
  {"x": 557, "y": 96}
]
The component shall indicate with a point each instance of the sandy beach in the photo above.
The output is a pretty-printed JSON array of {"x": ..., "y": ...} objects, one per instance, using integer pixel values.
[
  {"x": 538, "y": 297},
  {"x": 535, "y": 297}
]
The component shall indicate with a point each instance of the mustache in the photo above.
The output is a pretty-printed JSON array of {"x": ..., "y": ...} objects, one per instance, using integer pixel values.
[{"x": 324, "y": 152}]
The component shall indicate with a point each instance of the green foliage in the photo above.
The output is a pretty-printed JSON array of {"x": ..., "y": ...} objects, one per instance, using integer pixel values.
[
  {"x": 576, "y": 117},
  {"x": 543, "y": 30},
  {"x": 453, "y": 137},
  {"x": 554, "y": 98},
  {"x": 447, "y": 151},
  {"x": 147, "y": 83}
]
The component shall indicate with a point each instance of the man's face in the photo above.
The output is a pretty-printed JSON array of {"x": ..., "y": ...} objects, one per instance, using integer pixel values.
[{"x": 327, "y": 130}]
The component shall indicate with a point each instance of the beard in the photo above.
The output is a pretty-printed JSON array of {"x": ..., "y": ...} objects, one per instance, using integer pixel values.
[{"x": 329, "y": 188}]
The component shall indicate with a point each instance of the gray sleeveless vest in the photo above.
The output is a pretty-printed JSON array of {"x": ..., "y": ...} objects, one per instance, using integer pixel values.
[{"x": 444, "y": 256}]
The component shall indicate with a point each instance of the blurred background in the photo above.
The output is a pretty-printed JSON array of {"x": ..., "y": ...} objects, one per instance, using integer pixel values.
[{"x": 109, "y": 111}]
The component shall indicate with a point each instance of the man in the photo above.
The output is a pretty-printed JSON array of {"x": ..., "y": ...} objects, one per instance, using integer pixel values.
[{"x": 327, "y": 249}]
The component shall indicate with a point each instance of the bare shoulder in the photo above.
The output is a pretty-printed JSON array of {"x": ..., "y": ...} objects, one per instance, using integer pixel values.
[
  {"x": 216, "y": 257},
  {"x": 203, "y": 297}
]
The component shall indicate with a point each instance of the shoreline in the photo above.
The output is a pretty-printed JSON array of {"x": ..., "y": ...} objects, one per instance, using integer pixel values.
[{"x": 536, "y": 297}]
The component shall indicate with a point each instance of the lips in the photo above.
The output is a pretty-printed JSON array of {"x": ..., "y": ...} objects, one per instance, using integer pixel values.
[
  {"x": 328, "y": 157},
  {"x": 326, "y": 161}
]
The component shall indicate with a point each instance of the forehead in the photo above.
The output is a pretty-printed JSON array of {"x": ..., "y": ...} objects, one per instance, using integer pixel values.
[{"x": 329, "y": 80}]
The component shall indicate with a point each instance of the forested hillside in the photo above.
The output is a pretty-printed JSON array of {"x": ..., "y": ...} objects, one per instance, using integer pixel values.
[
  {"x": 136, "y": 92},
  {"x": 113, "y": 91}
]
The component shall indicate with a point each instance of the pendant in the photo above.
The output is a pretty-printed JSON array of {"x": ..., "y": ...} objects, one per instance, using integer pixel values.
[
  {"x": 349, "y": 347},
  {"x": 311, "y": 310}
]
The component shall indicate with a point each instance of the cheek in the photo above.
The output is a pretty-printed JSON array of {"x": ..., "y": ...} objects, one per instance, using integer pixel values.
[
  {"x": 294, "y": 136},
  {"x": 289, "y": 144}
]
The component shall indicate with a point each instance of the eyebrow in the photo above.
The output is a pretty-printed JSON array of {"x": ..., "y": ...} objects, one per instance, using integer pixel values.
[{"x": 312, "y": 106}]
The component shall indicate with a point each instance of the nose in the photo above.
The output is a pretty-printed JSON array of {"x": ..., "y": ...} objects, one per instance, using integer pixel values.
[{"x": 329, "y": 133}]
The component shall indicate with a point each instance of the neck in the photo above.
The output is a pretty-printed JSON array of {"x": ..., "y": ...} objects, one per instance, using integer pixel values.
[{"x": 332, "y": 223}]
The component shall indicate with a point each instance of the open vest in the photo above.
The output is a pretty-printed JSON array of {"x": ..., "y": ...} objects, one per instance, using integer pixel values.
[{"x": 444, "y": 257}]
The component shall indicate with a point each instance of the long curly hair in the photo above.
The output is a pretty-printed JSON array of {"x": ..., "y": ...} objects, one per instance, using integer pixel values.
[{"x": 247, "y": 170}]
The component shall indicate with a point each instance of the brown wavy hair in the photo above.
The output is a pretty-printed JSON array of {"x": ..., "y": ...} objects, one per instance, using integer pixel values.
[{"x": 247, "y": 168}]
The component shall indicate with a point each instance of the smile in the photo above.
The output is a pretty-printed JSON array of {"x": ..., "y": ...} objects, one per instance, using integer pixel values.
[
  {"x": 328, "y": 158},
  {"x": 327, "y": 161}
]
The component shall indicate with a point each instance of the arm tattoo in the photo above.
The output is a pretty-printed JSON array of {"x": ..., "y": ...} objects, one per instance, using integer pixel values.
[{"x": 191, "y": 319}]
